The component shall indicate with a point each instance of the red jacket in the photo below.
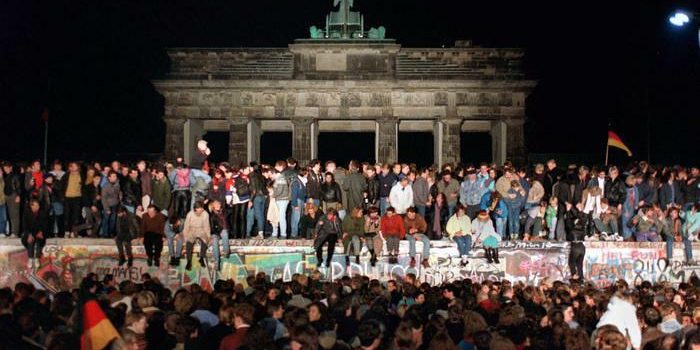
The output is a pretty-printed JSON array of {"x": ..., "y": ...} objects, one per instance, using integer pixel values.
[
  {"x": 235, "y": 340},
  {"x": 393, "y": 226}
]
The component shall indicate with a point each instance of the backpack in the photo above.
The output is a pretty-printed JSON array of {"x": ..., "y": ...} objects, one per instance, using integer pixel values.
[{"x": 182, "y": 178}]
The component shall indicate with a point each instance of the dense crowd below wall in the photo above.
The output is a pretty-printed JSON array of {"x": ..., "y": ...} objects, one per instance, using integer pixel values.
[{"x": 376, "y": 205}]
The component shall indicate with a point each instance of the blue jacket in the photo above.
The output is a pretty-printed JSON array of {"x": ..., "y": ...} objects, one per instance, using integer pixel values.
[
  {"x": 470, "y": 193},
  {"x": 670, "y": 194},
  {"x": 298, "y": 191}
]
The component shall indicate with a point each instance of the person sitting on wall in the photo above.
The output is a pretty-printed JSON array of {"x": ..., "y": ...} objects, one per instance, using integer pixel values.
[
  {"x": 416, "y": 226},
  {"x": 373, "y": 240},
  {"x": 393, "y": 231},
  {"x": 34, "y": 224},
  {"x": 196, "y": 229},
  {"x": 482, "y": 227},
  {"x": 126, "y": 231},
  {"x": 153, "y": 229},
  {"x": 328, "y": 229},
  {"x": 353, "y": 234},
  {"x": 459, "y": 227}
]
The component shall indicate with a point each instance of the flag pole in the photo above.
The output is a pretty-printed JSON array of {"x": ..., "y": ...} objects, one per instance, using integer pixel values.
[
  {"x": 607, "y": 148},
  {"x": 46, "y": 139}
]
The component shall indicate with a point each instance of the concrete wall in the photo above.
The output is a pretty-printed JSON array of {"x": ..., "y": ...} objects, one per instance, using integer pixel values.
[{"x": 67, "y": 261}]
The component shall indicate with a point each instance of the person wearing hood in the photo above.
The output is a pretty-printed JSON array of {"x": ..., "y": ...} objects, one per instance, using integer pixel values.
[{"x": 623, "y": 315}]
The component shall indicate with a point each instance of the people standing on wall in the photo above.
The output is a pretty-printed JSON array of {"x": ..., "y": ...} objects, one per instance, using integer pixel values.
[
  {"x": 438, "y": 215},
  {"x": 313, "y": 185},
  {"x": 13, "y": 197},
  {"x": 256, "y": 205},
  {"x": 515, "y": 201},
  {"x": 281, "y": 193},
  {"x": 110, "y": 196},
  {"x": 393, "y": 231},
  {"x": 470, "y": 192},
  {"x": 180, "y": 179},
  {"x": 332, "y": 195},
  {"x": 72, "y": 186},
  {"x": 673, "y": 231},
  {"x": 450, "y": 188},
  {"x": 372, "y": 193},
  {"x": 421, "y": 192},
  {"x": 328, "y": 229},
  {"x": 34, "y": 225},
  {"x": 387, "y": 179},
  {"x": 354, "y": 186},
  {"x": 153, "y": 230},
  {"x": 239, "y": 203},
  {"x": 401, "y": 196},
  {"x": 51, "y": 203},
  {"x": 196, "y": 230},
  {"x": 91, "y": 204},
  {"x": 146, "y": 181},
  {"x": 125, "y": 232},
  {"x": 219, "y": 231},
  {"x": 131, "y": 191},
  {"x": 298, "y": 199}
]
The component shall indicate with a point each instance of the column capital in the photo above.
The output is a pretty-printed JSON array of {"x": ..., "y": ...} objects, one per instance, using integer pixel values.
[
  {"x": 174, "y": 121},
  {"x": 386, "y": 120},
  {"x": 451, "y": 121},
  {"x": 302, "y": 122},
  {"x": 238, "y": 120}
]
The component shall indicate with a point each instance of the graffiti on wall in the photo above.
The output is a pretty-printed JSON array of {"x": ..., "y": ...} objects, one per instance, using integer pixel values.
[{"x": 66, "y": 262}]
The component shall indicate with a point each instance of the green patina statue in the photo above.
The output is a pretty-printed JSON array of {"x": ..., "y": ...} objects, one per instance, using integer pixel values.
[{"x": 346, "y": 24}]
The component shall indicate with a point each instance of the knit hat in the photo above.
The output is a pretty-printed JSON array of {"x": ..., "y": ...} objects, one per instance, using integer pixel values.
[{"x": 483, "y": 215}]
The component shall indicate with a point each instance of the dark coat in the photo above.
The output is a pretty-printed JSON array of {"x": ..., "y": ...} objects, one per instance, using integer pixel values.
[
  {"x": 331, "y": 192},
  {"x": 615, "y": 191},
  {"x": 372, "y": 190},
  {"x": 325, "y": 228},
  {"x": 131, "y": 193},
  {"x": 34, "y": 223},
  {"x": 670, "y": 194},
  {"x": 355, "y": 186}
]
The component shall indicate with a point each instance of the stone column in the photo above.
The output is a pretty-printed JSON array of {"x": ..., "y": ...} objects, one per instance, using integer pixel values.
[
  {"x": 254, "y": 133},
  {"x": 387, "y": 140},
  {"x": 499, "y": 142},
  {"x": 515, "y": 148},
  {"x": 193, "y": 131},
  {"x": 237, "y": 140},
  {"x": 451, "y": 133},
  {"x": 174, "y": 138},
  {"x": 301, "y": 139}
]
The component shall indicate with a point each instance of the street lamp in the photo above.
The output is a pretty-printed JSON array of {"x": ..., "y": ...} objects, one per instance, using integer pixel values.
[{"x": 682, "y": 18}]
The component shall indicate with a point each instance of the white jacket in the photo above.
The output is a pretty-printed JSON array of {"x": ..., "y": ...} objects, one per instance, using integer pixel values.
[
  {"x": 401, "y": 198},
  {"x": 623, "y": 315}
]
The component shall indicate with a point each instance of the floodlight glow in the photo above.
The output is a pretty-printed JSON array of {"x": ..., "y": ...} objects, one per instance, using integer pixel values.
[{"x": 679, "y": 19}]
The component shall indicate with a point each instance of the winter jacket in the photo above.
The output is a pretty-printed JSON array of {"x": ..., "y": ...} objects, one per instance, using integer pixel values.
[
  {"x": 218, "y": 222},
  {"x": 34, "y": 223},
  {"x": 326, "y": 228},
  {"x": 623, "y": 315},
  {"x": 355, "y": 186},
  {"x": 418, "y": 223},
  {"x": 514, "y": 204},
  {"x": 257, "y": 185},
  {"x": 111, "y": 195},
  {"x": 401, "y": 198},
  {"x": 90, "y": 193},
  {"x": 281, "y": 189},
  {"x": 354, "y": 226},
  {"x": 449, "y": 189},
  {"x": 155, "y": 224},
  {"x": 161, "y": 193},
  {"x": 392, "y": 226},
  {"x": 13, "y": 184},
  {"x": 299, "y": 190},
  {"x": 536, "y": 193},
  {"x": 459, "y": 223},
  {"x": 421, "y": 191},
  {"x": 615, "y": 191},
  {"x": 386, "y": 183},
  {"x": 372, "y": 190},
  {"x": 470, "y": 193},
  {"x": 577, "y": 224},
  {"x": 131, "y": 193},
  {"x": 331, "y": 192},
  {"x": 313, "y": 185},
  {"x": 196, "y": 226},
  {"x": 670, "y": 194}
]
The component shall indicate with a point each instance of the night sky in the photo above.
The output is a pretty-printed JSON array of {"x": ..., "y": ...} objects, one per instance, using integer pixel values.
[{"x": 597, "y": 63}]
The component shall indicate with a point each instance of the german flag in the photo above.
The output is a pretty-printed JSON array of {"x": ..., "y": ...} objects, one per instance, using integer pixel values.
[
  {"x": 98, "y": 332},
  {"x": 615, "y": 141}
]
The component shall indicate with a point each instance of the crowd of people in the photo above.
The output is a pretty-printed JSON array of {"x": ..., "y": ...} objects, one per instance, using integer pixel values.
[
  {"x": 364, "y": 205},
  {"x": 308, "y": 313}
]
